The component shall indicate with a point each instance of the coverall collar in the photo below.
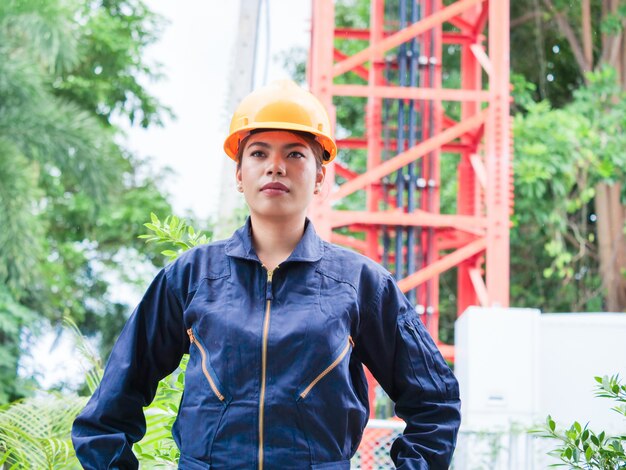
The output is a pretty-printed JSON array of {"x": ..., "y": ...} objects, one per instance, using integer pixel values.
[{"x": 309, "y": 248}]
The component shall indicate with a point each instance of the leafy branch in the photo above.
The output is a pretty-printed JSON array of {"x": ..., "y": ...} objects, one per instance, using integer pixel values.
[
  {"x": 614, "y": 389},
  {"x": 582, "y": 448},
  {"x": 175, "y": 231},
  {"x": 157, "y": 448}
]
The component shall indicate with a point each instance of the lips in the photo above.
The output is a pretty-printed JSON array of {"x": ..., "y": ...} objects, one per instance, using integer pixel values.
[{"x": 275, "y": 187}]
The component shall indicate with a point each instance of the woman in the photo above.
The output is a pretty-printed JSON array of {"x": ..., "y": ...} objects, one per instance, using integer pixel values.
[{"x": 277, "y": 323}]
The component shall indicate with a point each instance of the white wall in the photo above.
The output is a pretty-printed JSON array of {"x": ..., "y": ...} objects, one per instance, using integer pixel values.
[
  {"x": 573, "y": 349},
  {"x": 516, "y": 366}
]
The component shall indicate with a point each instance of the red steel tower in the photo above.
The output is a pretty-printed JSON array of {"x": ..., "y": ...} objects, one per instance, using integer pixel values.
[{"x": 414, "y": 127}]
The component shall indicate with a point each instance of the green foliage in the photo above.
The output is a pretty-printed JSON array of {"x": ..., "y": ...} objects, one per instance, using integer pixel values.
[
  {"x": 39, "y": 134},
  {"x": 612, "y": 23},
  {"x": 106, "y": 79},
  {"x": 41, "y": 30},
  {"x": 71, "y": 199},
  {"x": 13, "y": 316},
  {"x": 522, "y": 92},
  {"x": 580, "y": 447},
  {"x": 93, "y": 375},
  {"x": 560, "y": 154},
  {"x": 35, "y": 433},
  {"x": 158, "y": 448},
  {"x": 17, "y": 192},
  {"x": 546, "y": 52},
  {"x": 174, "y": 231},
  {"x": 603, "y": 103}
]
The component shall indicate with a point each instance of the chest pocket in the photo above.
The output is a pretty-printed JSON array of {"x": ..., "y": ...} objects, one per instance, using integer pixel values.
[
  {"x": 204, "y": 404},
  {"x": 331, "y": 415},
  {"x": 344, "y": 351},
  {"x": 207, "y": 370}
]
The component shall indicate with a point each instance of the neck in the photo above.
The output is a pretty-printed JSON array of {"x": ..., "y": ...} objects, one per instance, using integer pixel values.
[{"x": 275, "y": 239}]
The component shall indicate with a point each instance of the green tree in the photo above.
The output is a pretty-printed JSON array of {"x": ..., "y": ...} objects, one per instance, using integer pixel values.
[
  {"x": 107, "y": 75},
  {"x": 546, "y": 61},
  {"x": 37, "y": 133},
  {"x": 572, "y": 40},
  {"x": 71, "y": 198},
  {"x": 561, "y": 157}
]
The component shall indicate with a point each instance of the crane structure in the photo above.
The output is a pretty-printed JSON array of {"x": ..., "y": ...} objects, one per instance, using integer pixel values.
[{"x": 421, "y": 141}]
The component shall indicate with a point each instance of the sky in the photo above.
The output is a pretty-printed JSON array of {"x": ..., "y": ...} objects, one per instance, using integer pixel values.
[{"x": 196, "y": 51}]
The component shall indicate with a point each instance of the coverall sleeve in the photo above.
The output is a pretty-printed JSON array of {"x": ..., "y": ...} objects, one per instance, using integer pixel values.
[
  {"x": 149, "y": 348},
  {"x": 400, "y": 353}
]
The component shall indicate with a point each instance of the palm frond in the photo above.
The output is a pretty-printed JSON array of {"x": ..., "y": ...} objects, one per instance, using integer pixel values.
[
  {"x": 57, "y": 134},
  {"x": 45, "y": 31},
  {"x": 35, "y": 433},
  {"x": 20, "y": 225},
  {"x": 94, "y": 375},
  {"x": 53, "y": 132}
]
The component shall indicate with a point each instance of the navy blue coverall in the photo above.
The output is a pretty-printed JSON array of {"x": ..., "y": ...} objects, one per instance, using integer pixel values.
[{"x": 275, "y": 377}]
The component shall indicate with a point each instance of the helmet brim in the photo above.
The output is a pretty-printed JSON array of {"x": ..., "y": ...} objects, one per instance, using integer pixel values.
[{"x": 231, "y": 144}]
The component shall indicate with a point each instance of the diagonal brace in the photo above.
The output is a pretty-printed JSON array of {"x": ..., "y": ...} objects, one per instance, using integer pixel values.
[
  {"x": 403, "y": 36},
  {"x": 410, "y": 155}
]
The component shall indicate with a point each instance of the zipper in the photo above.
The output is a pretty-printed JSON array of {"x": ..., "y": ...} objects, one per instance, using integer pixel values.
[
  {"x": 266, "y": 327},
  {"x": 193, "y": 340},
  {"x": 325, "y": 372}
]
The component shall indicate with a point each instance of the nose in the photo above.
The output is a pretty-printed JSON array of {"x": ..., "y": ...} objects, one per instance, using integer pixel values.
[{"x": 275, "y": 165}]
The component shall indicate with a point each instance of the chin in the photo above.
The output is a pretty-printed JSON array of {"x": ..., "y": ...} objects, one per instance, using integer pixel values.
[{"x": 275, "y": 211}]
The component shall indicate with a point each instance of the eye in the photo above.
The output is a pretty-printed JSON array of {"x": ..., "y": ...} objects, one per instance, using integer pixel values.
[
  {"x": 295, "y": 154},
  {"x": 257, "y": 154}
]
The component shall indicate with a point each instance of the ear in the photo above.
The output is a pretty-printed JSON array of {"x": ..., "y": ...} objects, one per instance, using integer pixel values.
[
  {"x": 321, "y": 176},
  {"x": 238, "y": 175}
]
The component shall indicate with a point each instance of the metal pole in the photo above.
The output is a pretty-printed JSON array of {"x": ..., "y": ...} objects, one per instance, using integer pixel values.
[
  {"x": 400, "y": 186},
  {"x": 412, "y": 178},
  {"x": 430, "y": 250}
]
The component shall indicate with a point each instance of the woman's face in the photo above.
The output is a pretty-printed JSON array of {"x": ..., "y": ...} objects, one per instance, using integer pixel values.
[{"x": 278, "y": 174}]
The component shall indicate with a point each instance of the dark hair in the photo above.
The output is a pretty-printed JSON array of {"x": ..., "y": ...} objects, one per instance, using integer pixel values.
[{"x": 316, "y": 147}]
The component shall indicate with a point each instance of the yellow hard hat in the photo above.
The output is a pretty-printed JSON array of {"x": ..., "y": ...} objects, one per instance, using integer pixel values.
[{"x": 281, "y": 105}]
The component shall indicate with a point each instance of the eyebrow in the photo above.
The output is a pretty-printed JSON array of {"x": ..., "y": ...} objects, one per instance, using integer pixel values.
[{"x": 284, "y": 147}]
